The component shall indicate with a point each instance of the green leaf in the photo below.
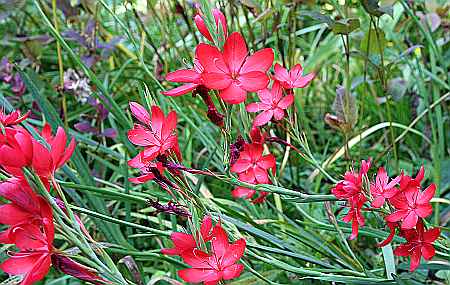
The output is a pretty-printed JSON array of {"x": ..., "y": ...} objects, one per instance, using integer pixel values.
[
  {"x": 318, "y": 16},
  {"x": 389, "y": 261},
  {"x": 345, "y": 26},
  {"x": 372, "y": 7},
  {"x": 374, "y": 41}
]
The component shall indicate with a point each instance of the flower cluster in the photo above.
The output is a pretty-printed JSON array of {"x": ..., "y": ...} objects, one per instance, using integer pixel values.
[
  {"x": 401, "y": 201},
  {"x": 14, "y": 80},
  {"x": 209, "y": 253},
  {"x": 225, "y": 66},
  {"x": 253, "y": 167},
  {"x": 157, "y": 134},
  {"x": 19, "y": 149},
  {"x": 232, "y": 72},
  {"x": 29, "y": 216}
]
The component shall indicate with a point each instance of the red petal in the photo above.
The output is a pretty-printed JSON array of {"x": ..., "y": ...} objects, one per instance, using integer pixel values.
[
  {"x": 415, "y": 259},
  {"x": 141, "y": 137},
  {"x": 220, "y": 242},
  {"x": 427, "y": 194},
  {"x": 235, "y": 52},
  {"x": 267, "y": 162},
  {"x": 431, "y": 235},
  {"x": 181, "y": 90},
  {"x": 240, "y": 166},
  {"x": 206, "y": 227},
  {"x": 211, "y": 58},
  {"x": 424, "y": 211},
  {"x": 428, "y": 251},
  {"x": 234, "y": 253},
  {"x": 233, "y": 94},
  {"x": 183, "y": 76},
  {"x": 200, "y": 23},
  {"x": 141, "y": 179},
  {"x": 278, "y": 114},
  {"x": 378, "y": 202},
  {"x": 17, "y": 265},
  {"x": 217, "y": 81},
  {"x": 259, "y": 61},
  {"x": 286, "y": 101},
  {"x": 253, "y": 81},
  {"x": 140, "y": 113},
  {"x": 402, "y": 250},
  {"x": 232, "y": 271},
  {"x": 303, "y": 81},
  {"x": 242, "y": 192},
  {"x": 255, "y": 107},
  {"x": 170, "y": 125},
  {"x": 67, "y": 153},
  {"x": 29, "y": 236},
  {"x": 261, "y": 175},
  {"x": 70, "y": 267},
  {"x": 263, "y": 118},
  {"x": 281, "y": 73},
  {"x": 39, "y": 271},
  {"x": 410, "y": 220},
  {"x": 57, "y": 146},
  {"x": 194, "y": 275},
  {"x": 197, "y": 258},
  {"x": 42, "y": 160},
  {"x": 46, "y": 133},
  {"x": 396, "y": 216},
  {"x": 183, "y": 242},
  {"x": 25, "y": 142},
  {"x": 157, "y": 120},
  {"x": 11, "y": 157},
  {"x": 11, "y": 215}
]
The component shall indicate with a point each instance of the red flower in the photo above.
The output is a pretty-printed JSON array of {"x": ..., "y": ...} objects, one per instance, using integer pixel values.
[
  {"x": 352, "y": 183},
  {"x": 26, "y": 207},
  {"x": 247, "y": 193},
  {"x": 220, "y": 20},
  {"x": 191, "y": 77},
  {"x": 418, "y": 243},
  {"x": 13, "y": 118},
  {"x": 382, "y": 189},
  {"x": 292, "y": 79},
  {"x": 256, "y": 136},
  {"x": 220, "y": 265},
  {"x": 186, "y": 242},
  {"x": 272, "y": 104},
  {"x": 252, "y": 165},
  {"x": 34, "y": 258},
  {"x": 47, "y": 160},
  {"x": 70, "y": 267},
  {"x": 233, "y": 72},
  {"x": 351, "y": 189},
  {"x": 354, "y": 214},
  {"x": 243, "y": 192},
  {"x": 147, "y": 168},
  {"x": 157, "y": 135},
  {"x": 16, "y": 150},
  {"x": 411, "y": 203}
]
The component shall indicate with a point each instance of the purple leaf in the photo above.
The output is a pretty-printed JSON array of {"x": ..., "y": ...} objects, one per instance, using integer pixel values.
[
  {"x": 85, "y": 127},
  {"x": 110, "y": 133}
]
